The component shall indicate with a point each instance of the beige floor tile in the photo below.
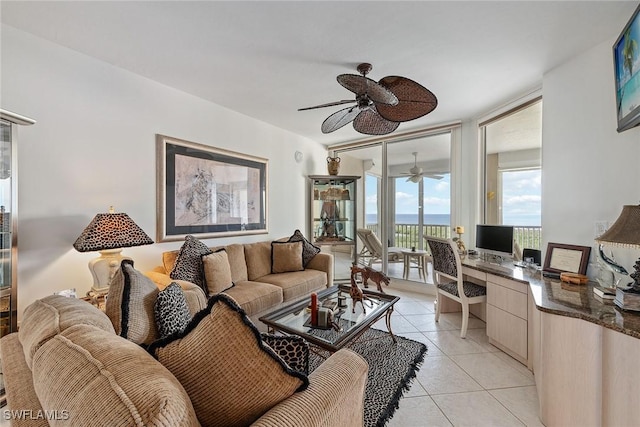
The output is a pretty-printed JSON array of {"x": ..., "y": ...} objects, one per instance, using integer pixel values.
[
  {"x": 411, "y": 307},
  {"x": 432, "y": 349},
  {"x": 456, "y": 319},
  {"x": 398, "y": 325},
  {"x": 475, "y": 409},
  {"x": 427, "y": 323},
  {"x": 490, "y": 371},
  {"x": 521, "y": 402},
  {"x": 415, "y": 390},
  {"x": 480, "y": 336},
  {"x": 451, "y": 343},
  {"x": 439, "y": 375},
  {"x": 418, "y": 412},
  {"x": 516, "y": 365}
]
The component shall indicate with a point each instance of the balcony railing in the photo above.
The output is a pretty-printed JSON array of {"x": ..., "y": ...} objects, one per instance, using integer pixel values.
[{"x": 406, "y": 235}]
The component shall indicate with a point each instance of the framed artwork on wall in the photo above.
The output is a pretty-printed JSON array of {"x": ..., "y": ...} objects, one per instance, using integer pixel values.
[{"x": 207, "y": 191}]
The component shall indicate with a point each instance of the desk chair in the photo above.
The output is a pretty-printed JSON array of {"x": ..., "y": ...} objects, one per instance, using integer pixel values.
[
  {"x": 447, "y": 276},
  {"x": 373, "y": 248}
]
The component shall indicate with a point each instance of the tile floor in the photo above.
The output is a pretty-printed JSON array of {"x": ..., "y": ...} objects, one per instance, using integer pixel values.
[{"x": 462, "y": 382}]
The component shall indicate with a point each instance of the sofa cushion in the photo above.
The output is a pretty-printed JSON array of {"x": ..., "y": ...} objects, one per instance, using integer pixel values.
[
  {"x": 132, "y": 296},
  {"x": 171, "y": 311},
  {"x": 47, "y": 317},
  {"x": 298, "y": 283},
  {"x": 255, "y": 297},
  {"x": 286, "y": 257},
  {"x": 309, "y": 250},
  {"x": 85, "y": 370},
  {"x": 188, "y": 264},
  {"x": 258, "y": 257},
  {"x": 217, "y": 271},
  {"x": 231, "y": 376},
  {"x": 237, "y": 262},
  {"x": 18, "y": 381}
]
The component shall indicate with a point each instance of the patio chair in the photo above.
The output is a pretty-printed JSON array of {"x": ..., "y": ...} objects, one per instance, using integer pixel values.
[
  {"x": 447, "y": 276},
  {"x": 372, "y": 250}
]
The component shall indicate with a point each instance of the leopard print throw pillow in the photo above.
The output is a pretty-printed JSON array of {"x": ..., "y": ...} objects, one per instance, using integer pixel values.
[{"x": 171, "y": 311}]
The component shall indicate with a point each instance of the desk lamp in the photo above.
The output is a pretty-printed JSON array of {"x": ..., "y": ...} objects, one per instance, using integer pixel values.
[
  {"x": 625, "y": 232},
  {"x": 108, "y": 233}
]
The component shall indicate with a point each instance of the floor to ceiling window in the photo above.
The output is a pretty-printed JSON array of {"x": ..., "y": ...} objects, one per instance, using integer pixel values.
[
  {"x": 512, "y": 172},
  {"x": 406, "y": 192}
]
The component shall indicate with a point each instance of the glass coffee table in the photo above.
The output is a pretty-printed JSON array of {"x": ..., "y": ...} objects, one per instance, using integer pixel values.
[{"x": 295, "y": 318}]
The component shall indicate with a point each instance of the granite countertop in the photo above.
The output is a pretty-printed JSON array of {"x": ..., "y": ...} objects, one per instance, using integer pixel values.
[{"x": 563, "y": 299}]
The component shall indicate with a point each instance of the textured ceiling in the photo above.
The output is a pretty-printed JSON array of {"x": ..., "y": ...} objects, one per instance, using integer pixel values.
[{"x": 267, "y": 59}]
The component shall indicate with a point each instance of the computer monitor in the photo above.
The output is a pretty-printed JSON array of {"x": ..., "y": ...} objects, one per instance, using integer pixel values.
[{"x": 495, "y": 239}]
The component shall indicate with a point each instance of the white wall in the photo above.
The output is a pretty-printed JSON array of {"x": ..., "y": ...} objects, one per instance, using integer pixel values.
[
  {"x": 94, "y": 146},
  {"x": 589, "y": 171}
]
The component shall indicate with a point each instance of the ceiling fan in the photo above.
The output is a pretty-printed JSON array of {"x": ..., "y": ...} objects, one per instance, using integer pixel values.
[
  {"x": 415, "y": 173},
  {"x": 380, "y": 106}
]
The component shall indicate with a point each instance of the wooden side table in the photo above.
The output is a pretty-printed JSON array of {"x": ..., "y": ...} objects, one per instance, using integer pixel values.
[{"x": 421, "y": 258}]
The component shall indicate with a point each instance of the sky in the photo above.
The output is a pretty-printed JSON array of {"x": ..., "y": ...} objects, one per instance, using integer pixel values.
[{"x": 522, "y": 196}]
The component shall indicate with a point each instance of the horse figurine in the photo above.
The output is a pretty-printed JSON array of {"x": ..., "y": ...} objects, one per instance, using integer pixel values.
[
  {"x": 355, "y": 292},
  {"x": 367, "y": 273}
]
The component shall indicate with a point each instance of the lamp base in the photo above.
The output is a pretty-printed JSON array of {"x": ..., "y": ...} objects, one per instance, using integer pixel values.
[{"x": 104, "y": 268}]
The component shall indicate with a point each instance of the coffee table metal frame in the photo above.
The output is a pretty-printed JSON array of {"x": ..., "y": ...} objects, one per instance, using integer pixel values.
[{"x": 291, "y": 319}]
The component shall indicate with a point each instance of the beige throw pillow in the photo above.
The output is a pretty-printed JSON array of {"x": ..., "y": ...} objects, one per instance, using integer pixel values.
[
  {"x": 286, "y": 257},
  {"x": 217, "y": 272},
  {"x": 231, "y": 376},
  {"x": 132, "y": 296}
]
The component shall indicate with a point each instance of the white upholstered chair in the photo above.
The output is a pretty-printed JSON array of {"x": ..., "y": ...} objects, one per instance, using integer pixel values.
[{"x": 447, "y": 276}]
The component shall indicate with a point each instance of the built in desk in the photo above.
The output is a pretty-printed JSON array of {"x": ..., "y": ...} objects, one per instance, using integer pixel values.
[{"x": 584, "y": 351}]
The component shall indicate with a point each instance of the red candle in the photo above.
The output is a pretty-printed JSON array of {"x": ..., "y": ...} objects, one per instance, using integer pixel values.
[{"x": 314, "y": 309}]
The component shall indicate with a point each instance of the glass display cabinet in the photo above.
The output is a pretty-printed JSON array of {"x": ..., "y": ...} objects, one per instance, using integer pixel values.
[
  {"x": 9, "y": 123},
  {"x": 333, "y": 209}
]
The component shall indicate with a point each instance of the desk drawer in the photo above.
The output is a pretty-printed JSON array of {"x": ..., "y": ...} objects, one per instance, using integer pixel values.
[
  {"x": 507, "y": 330},
  {"x": 472, "y": 272},
  {"x": 511, "y": 284},
  {"x": 507, "y": 299}
]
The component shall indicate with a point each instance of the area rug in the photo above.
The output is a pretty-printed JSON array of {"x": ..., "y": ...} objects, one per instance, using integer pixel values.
[{"x": 392, "y": 367}]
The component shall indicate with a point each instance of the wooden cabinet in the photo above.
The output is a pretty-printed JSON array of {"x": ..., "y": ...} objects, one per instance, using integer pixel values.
[{"x": 507, "y": 315}]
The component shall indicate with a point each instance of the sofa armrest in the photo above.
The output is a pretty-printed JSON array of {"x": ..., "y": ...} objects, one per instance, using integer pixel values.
[
  {"x": 196, "y": 299},
  {"x": 323, "y": 262},
  {"x": 335, "y": 396}
]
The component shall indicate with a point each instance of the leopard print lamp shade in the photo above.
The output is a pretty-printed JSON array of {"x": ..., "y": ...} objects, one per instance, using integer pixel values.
[{"x": 108, "y": 233}]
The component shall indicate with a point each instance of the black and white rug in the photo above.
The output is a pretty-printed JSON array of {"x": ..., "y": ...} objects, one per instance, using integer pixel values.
[{"x": 392, "y": 367}]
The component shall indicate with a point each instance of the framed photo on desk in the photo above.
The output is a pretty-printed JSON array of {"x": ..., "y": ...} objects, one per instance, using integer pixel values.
[{"x": 566, "y": 258}]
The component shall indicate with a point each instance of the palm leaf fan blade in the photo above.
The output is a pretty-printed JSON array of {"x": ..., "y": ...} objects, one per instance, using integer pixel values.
[
  {"x": 370, "y": 122},
  {"x": 364, "y": 86},
  {"x": 339, "y": 119},
  {"x": 414, "y": 100}
]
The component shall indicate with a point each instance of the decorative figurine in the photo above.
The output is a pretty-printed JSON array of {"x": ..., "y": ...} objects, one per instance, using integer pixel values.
[
  {"x": 355, "y": 292},
  {"x": 367, "y": 273}
]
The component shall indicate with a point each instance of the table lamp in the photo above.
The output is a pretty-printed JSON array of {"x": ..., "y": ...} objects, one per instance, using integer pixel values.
[
  {"x": 625, "y": 232},
  {"x": 108, "y": 233}
]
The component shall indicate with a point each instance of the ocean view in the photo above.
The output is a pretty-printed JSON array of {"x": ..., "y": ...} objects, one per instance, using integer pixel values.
[{"x": 444, "y": 219}]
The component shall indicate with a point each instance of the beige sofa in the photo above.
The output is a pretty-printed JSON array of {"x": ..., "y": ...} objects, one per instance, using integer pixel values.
[
  {"x": 66, "y": 366},
  {"x": 256, "y": 289}
]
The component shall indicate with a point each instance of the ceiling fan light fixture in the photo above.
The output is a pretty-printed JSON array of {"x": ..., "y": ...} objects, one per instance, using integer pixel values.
[{"x": 381, "y": 106}]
